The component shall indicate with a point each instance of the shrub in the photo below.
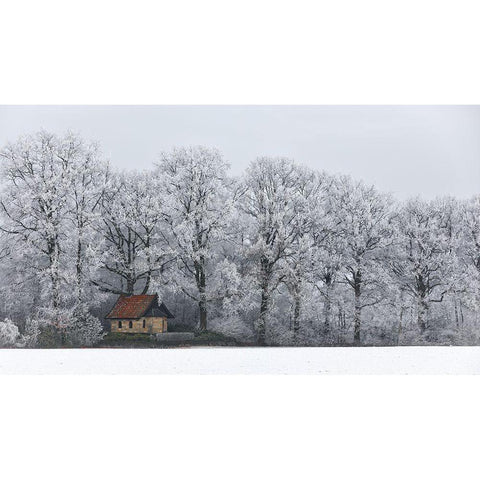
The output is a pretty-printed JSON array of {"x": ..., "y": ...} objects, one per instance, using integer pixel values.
[
  {"x": 85, "y": 330},
  {"x": 9, "y": 334}
]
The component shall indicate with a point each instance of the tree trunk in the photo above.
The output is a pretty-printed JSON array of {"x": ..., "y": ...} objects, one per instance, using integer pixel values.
[
  {"x": 263, "y": 316},
  {"x": 265, "y": 300},
  {"x": 455, "y": 310},
  {"x": 296, "y": 315},
  {"x": 327, "y": 310},
  {"x": 357, "y": 321},
  {"x": 421, "y": 311},
  {"x": 79, "y": 268},
  {"x": 357, "y": 316},
  {"x": 53, "y": 251},
  {"x": 400, "y": 323},
  {"x": 53, "y": 255},
  {"x": 146, "y": 288},
  {"x": 130, "y": 286},
  {"x": 55, "y": 289},
  {"x": 202, "y": 305},
  {"x": 200, "y": 278}
]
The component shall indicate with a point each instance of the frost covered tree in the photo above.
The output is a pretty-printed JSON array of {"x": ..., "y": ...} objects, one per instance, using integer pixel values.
[
  {"x": 133, "y": 250},
  {"x": 471, "y": 230},
  {"x": 309, "y": 231},
  {"x": 276, "y": 199},
  {"x": 470, "y": 248},
  {"x": 426, "y": 265},
  {"x": 327, "y": 264},
  {"x": 35, "y": 170},
  {"x": 363, "y": 216},
  {"x": 42, "y": 179},
  {"x": 89, "y": 181},
  {"x": 199, "y": 204}
]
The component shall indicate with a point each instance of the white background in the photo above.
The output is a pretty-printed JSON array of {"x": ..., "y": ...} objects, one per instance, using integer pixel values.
[
  {"x": 361, "y": 52},
  {"x": 239, "y": 427},
  {"x": 249, "y": 51}
]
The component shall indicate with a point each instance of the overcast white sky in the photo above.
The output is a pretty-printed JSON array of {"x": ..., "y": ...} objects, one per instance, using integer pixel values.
[{"x": 405, "y": 150}]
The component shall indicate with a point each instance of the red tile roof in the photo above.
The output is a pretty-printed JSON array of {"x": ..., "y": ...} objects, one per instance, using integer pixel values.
[{"x": 133, "y": 306}]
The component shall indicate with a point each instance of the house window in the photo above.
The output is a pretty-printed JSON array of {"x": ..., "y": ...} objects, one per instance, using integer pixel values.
[
  {"x": 119, "y": 324},
  {"x": 143, "y": 323},
  {"x": 130, "y": 324}
]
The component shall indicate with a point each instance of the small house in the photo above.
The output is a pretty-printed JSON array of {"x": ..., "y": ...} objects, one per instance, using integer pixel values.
[{"x": 139, "y": 314}]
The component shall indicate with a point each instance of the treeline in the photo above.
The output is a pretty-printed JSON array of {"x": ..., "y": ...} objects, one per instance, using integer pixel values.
[{"x": 284, "y": 255}]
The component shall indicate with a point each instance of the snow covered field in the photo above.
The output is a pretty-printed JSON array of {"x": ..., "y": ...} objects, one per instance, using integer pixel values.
[{"x": 376, "y": 360}]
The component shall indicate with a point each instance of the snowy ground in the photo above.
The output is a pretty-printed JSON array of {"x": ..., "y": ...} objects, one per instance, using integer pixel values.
[{"x": 376, "y": 360}]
